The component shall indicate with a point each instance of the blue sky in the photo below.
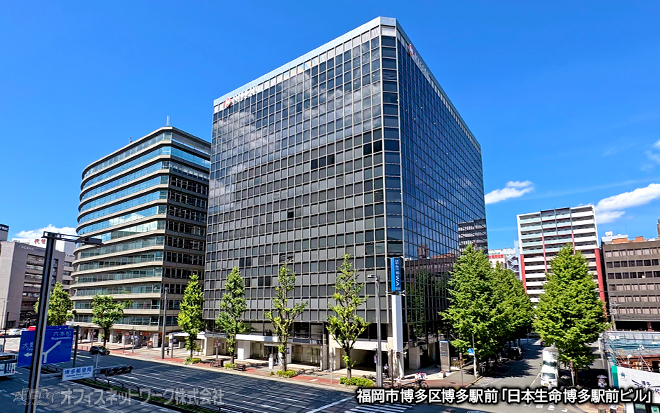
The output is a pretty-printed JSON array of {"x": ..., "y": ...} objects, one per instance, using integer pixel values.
[{"x": 564, "y": 97}]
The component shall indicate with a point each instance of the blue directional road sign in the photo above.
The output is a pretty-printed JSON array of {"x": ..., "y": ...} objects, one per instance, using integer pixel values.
[
  {"x": 57, "y": 346},
  {"x": 471, "y": 351}
]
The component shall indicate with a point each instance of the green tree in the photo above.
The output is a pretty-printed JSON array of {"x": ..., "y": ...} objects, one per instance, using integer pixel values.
[
  {"x": 346, "y": 326},
  {"x": 283, "y": 315},
  {"x": 570, "y": 314},
  {"x": 190, "y": 312},
  {"x": 474, "y": 314},
  {"x": 514, "y": 303},
  {"x": 232, "y": 306},
  {"x": 59, "y": 306},
  {"x": 106, "y": 312}
]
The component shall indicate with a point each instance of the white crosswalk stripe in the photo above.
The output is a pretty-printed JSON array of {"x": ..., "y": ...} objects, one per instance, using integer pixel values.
[{"x": 379, "y": 408}]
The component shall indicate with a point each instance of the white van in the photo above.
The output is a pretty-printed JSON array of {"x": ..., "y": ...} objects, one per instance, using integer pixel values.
[
  {"x": 550, "y": 368},
  {"x": 550, "y": 357},
  {"x": 549, "y": 377}
]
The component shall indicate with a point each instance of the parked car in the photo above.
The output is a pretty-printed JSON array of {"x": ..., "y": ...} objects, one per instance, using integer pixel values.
[
  {"x": 99, "y": 350},
  {"x": 515, "y": 353}
]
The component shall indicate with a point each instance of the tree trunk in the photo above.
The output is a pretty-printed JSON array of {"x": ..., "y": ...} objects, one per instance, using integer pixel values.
[
  {"x": 349, "y": 369},
  {"x": 192, "y": 346},
  {"x": 105, "y": 337},
  {"x": 232, "y": 351},
  {"x": 284, "y": 363}
]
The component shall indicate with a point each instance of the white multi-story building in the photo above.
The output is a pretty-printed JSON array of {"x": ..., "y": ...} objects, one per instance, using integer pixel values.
[
  {"x": 542, "y": 234},
  {"x": 508, "y": 258}
]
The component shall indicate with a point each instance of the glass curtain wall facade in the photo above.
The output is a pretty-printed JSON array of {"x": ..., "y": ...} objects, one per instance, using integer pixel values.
[
  {"x": 351, "y": 149},
  {"x": 148, "y": 203}
]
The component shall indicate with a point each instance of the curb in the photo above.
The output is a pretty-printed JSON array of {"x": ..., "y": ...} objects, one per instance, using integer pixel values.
[{"x": 257, "y": 376}]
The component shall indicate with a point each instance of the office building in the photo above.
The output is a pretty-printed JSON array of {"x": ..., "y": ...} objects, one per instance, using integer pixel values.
[
  {"x": 353, "y": 148},
  {"x": 66, "y": 247},
  {"x": 147, "y": 203},
  {"x": 21, "y": 269},
  {"x": 542, "y": 234},
  {"x": 633, "y": 282}
]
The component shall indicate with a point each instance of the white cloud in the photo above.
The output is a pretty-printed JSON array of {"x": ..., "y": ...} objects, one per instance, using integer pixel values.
[
  {"x": 605, "y": 217},
  {"x": 657, "y": 145},
  {"x": 38, "y": 233},
  {"x": 653, "y": 156},
  {"x": 512, "y": 189},
  {"x": 611, "y": 208}
]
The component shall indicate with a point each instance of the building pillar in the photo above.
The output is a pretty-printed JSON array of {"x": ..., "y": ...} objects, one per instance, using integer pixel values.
[
  {"x": 113, "y": 336},
  {"x": 243, "y": 349},
  {"x": 414, "y": 358}
]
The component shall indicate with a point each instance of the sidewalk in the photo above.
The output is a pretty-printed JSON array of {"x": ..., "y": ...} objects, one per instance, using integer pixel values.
[{"x": 260, "y": 368}]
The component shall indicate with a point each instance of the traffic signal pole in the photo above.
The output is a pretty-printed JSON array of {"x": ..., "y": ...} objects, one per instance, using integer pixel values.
[
  {"x": 42, "y": 315},
  {"x": 40, "y": 332}
]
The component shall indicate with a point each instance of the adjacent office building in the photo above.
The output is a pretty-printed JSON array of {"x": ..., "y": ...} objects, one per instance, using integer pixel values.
[
  {"x": 353, "y": 148},
  {"x": 633, "y": 281},
  {"x": 21, "y": 270},
  {"x": 147, "y": 202},
  {"x": 542, "y": 234}
]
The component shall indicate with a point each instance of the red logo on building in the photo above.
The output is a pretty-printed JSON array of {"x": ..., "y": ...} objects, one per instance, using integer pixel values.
[
  {"x": 411, "y": 51},
  {"x": 227, "y": 103}
]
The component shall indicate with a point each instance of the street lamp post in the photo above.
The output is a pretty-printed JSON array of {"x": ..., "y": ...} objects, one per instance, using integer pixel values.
[
  {"x": 379, "y": 362},
  {"x": 162, "y": 344},
  {"x": 42, "y": 315}
]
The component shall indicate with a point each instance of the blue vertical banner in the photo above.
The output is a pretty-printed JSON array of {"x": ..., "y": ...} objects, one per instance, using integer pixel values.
[{"x": 395, "y": 268}]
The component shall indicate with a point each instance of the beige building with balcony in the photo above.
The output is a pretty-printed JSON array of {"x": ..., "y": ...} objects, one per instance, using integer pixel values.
[
  {"x": 542, "y": 234},
  {"x": 21, "y": 269}
]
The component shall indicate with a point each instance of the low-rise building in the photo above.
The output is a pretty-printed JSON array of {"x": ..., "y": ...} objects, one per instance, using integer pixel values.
[{"x": 508, "y": 258}]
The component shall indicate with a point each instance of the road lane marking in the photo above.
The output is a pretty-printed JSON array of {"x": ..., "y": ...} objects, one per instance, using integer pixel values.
[
  {"x": 330, "y": 405},
  {"x": 224, "y": 391}
]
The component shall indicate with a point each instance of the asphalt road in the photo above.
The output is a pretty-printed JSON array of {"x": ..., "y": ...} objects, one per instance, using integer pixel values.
[{"x": 254, "y": 394}]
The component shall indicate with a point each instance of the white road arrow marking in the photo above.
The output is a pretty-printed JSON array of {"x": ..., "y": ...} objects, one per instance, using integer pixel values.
[{"x": 45, "y": 356}]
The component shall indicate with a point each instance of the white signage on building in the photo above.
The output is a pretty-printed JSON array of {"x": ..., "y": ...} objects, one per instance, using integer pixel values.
[
  {"x": 78, "y": 373},
  {"x": 625, "y": 378}
]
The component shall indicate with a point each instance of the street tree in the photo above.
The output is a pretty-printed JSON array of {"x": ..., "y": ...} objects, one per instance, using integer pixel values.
[
  {"x": 106, "y": 312},
  {"x": 474, "y": 314},
  {"x": 190, "y": 312},
  {"x": 283, "y": 315},
  {"x": 514, "y": 303},
  {"x": 570, "y": 314},
  {"x": 59, "y": 306},
  {"x": 346, "y": 326},
  {"x": 232, "y": 307}
]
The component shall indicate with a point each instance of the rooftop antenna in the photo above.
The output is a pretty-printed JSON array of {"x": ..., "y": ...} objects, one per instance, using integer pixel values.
[
  {"x": 168, "y": 121},
  {"x": 130, "y": 139}
]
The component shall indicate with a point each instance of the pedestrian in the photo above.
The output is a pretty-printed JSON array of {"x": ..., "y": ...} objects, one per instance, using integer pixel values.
[{"x": 386, "y": 372}]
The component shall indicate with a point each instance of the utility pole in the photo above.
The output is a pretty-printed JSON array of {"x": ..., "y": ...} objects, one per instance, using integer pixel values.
[{"x": 162, "y": 344}]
